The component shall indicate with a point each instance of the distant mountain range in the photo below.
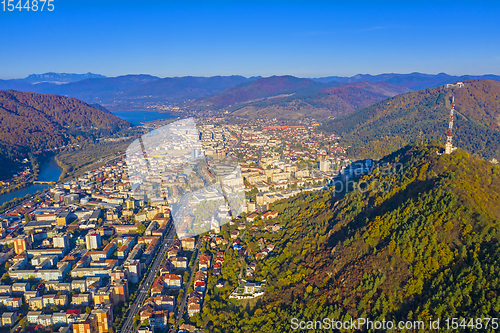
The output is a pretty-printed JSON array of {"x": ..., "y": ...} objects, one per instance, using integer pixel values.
[
  {"x": 141, "y": 91},
  {"x": 413, "y": 81},
  {"x": 390, "y": 124},
  {"x": 184, "y": 88},
  {"x": 55, "y": 78}
]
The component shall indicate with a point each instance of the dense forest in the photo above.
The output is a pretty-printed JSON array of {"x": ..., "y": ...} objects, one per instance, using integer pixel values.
[
  {"x": 424, "y": 246},
  {"x": 390, "y": 124},
  {"x": 32, "y": 123}
]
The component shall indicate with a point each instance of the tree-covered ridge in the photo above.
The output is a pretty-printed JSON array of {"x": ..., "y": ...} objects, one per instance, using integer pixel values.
[
  {"x": 261, "y": 88},
  {"x": 31, "y": 123},
  {"x": 390, "y": 124},
  {"x": 426, "y": 248},
  {"x": 326, "y": 102},
  {"x": 38, "y": 122}
]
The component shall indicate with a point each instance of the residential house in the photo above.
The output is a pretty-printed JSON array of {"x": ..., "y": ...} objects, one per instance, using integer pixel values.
[
  {"x": 199, "y": 286},
  {"x": 159, "y": 318},
  {"x": 5, "y": 290},
  {"x": 59, "y": 318},
  {"x": 252, "y": 217},
  {"x": 20, "y": 288},
  {"x": 193, "y": 309},
  {"x": 80, "y": 300},
  {"x": 79, "y": 286},
  {"x": 49, "y": 300},
  {"x": 32, "y": 317},
  {"x": 188, "y": 243},
  {"x": 61, "y": 300},
  {"x": 173, "y": 280},
  {"x": 35, "y": 303},
  {"x": 45, "y": 320},
  {"x": 270, "y": 214},
  {"x": 179, "y": 262}
]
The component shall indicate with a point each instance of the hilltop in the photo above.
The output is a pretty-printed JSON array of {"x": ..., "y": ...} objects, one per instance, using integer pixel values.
[
  {"x": 424, "y": 246},
  {"x": 34, "y": 122},
  {"x": 390, "y": 124},
  {"x": 259, "y": 89},
  {"x": 328, "y": 102},
  {"x": 289, "y": 97}
]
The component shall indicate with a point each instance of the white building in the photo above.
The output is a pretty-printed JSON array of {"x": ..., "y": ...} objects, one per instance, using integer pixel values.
[
  {"x": 93, "y": 240},
  {"x": 325, "y": 166},
  {"x": 61, "y": 241}
]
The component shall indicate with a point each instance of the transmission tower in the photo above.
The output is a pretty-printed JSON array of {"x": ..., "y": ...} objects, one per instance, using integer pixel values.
[{"x": 449, "y": 140}]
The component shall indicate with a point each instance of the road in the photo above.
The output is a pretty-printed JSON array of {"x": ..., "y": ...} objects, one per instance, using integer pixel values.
[
  {"x": 186, "y": 288},
  {"x": 146, "y": 284},
  {"x": 13, "y": 330}
]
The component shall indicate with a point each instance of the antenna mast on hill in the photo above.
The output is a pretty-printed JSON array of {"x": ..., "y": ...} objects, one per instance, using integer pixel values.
[{"x": 449, "y": 140}]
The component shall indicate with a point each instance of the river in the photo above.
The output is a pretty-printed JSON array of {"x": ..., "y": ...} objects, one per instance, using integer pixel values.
[
  {"x": 137, "y": 117},
  {"x": 49, "y": 171}
]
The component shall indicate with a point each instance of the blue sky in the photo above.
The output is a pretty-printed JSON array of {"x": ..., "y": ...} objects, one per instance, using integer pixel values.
[{"x": 204, "y": 38}]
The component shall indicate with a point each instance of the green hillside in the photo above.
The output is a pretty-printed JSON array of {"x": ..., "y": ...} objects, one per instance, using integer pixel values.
[
  {"x": 31, "y": 123},
  {"x": 390, "y": 124},
  {"x": 426, "y": 248}
]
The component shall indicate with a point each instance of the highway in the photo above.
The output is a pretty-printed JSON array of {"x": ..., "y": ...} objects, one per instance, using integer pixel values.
[{"x": 146, "y": 285}]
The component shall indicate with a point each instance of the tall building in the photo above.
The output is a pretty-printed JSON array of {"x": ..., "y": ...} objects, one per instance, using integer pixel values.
[
  {"x": 21, "y": 244},
  {"x": 215, "y": 226},
  {"x": 120, "y": 291},
  {"x": 130, "y": 204},
  {"x": 86, "y": 326},
  {"x": 62, "y": 218},
  {"x": 133, "y": 268},
  {"x": 104, "y": 296},
  {"x": 61, "y": 241},
  {"x": 93, "y": 240},
  {"x": 103, "y": 318},
  {"x": 325, "y": 166}
]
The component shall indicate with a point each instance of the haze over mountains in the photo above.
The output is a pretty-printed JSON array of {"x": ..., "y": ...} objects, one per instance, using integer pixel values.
[
  {"x": 141, "y": 91},
  {"x": 413, "y": 81},
  {"x": 53, "y": 78}
]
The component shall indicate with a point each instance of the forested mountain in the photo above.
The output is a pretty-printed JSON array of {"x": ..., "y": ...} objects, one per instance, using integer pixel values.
[
  {"x": 329, "y": 101},
  {"x": 388, "y": 125},
  {"x": 261, "y": 88},
  {"x": 423, "y": 245},
  {"x": 32, "y": 122}
]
